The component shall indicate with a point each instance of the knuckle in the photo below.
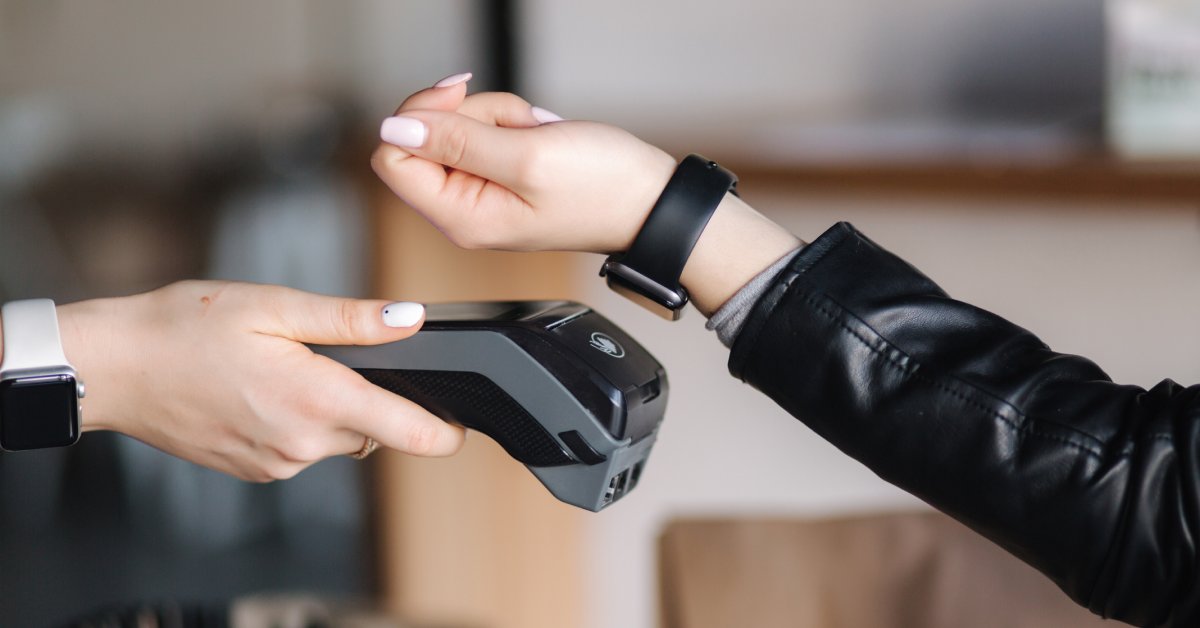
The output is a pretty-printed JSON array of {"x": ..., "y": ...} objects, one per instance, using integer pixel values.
[
  {"x": 379, "y": 162},
  {"x": 463, "y": 242},
  {"x": 283, "y": 471},
  {"x": 302, "y": 449},
  {"x": 258, "y": 476},
  {"x": 460, "y": 240},
  {"x": 455, "y": 143},
  {"x": 512, "y": 101},
  {"x": 244, "y": 476},
  {"x": 507, "y": 104},
  {"x": 323, "y": 408},
  {"x": 470, "y": 238},
  {"x": 535, "y": 167},
  {"x": 464, "y": 233},
  {"x": 422, "y": 439},
  {"x": 385, "y": 158},
  {"x": 310, "y": 404},
  {"x": 346, "y": 319},
  {"x": 539, "y": 168},
  {"x": 350, "y": 394},
  {"x": 492, "y": 238}
]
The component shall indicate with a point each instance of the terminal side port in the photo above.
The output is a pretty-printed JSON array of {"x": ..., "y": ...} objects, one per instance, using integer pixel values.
[
  {"x": 617, "y": 487},
  {"x": 650, "y": 390},
  {"x": 635, "y": 474}
]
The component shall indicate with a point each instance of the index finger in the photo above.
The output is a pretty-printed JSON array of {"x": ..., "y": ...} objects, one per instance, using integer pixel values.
[
  {"x": 501, "y": 109},
  {"x": 392, "y": 420}
]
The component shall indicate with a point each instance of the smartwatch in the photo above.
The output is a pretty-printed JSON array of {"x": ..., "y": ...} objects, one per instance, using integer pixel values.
[
  {"x": 648, "y": 273},
  {"x": 39, "y": 390}
]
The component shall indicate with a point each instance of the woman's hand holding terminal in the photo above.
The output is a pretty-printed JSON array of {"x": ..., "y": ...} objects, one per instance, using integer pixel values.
[{"x": 218, "y": 373}]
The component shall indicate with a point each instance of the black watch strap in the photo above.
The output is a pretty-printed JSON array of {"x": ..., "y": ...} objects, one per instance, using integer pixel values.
[{"x": 649, "y": 271}]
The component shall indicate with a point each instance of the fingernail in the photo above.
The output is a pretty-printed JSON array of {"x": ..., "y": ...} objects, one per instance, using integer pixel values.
[
  {"x": 402, "y": 314},
  {"x": 454, "y": 79},
  {"x": 543, "y": 116},
  {"x": 403, "y": 131}
]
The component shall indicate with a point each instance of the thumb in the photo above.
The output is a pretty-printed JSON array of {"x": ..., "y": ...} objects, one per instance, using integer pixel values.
[
  {"x": 447, "y": 94},
  {"x": 317, "y": 319}
]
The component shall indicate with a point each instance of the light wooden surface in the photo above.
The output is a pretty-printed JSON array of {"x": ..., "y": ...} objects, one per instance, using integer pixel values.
[
  {"x": 471, "y": 540},
  {"x": 904, "y": 570}
]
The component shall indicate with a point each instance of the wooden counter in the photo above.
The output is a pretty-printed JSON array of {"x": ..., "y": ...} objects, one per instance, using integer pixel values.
[{"x": 472, "y": 540}]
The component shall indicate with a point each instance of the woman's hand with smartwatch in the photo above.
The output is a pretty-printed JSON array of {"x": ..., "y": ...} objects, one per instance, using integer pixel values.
[
  {"x": 492, "y": 171},
  {"x": 219, "y": 373}
]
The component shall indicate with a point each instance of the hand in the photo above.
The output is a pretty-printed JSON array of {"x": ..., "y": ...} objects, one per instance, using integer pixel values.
[
  {"x": 218, "y": 373},
  {"x": 490, "y": 171},
  {"x": 488, "y": 174}
]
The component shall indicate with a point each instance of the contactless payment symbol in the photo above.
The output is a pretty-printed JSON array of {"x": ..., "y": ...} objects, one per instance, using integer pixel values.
[{"x": 602, "y": 342}]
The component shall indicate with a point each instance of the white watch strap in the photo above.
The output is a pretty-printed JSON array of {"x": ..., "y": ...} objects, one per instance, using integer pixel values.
[{"x": 31, "y": 339}]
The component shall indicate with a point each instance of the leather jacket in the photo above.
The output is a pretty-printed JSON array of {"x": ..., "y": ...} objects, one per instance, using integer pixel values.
[{"x": 1095, "y": 484}]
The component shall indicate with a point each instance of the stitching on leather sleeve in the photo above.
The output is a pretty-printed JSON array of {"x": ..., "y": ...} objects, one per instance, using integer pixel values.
[
  {"x": 911, "y": 369},
  {"x": 838, "y": 235},
  {"x": 808, "y": 257}
]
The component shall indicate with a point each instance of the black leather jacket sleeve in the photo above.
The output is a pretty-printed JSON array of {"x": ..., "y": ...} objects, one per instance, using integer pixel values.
[{"x": 1091, "y": 482}]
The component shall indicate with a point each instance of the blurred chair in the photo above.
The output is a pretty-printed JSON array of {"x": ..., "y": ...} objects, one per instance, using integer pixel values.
[{"x": 910, "y": 570}]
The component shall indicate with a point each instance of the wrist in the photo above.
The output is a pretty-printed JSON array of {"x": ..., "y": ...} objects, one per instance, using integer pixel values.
[
  {"x": 90, "y": 336},
  {"x": 656, "y": 171},
  {"x": 737, "y": 245},
  {"x": 650, "y": 271}
]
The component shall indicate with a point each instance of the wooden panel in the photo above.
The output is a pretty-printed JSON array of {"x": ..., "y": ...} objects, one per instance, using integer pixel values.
[
  {"x": 885, "y": 571},
  {"x": 472, "y": 540}
]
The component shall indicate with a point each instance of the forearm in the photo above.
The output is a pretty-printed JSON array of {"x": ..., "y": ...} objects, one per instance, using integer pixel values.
[{"x": 1090, "y": 482}]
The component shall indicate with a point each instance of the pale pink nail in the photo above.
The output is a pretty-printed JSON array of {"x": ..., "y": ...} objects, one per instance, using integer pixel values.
[
  {"x": 454, "y": 79},
  {"x": 544, "y": 117},
  {"x": 403, "y": 131}
]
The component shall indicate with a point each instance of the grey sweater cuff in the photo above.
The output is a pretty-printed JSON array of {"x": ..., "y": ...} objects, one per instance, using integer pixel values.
[{"x": 728, "y": 320}]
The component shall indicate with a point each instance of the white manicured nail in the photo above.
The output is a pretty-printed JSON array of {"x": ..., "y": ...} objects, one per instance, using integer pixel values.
[
  {"x": 454, "y": 79},
  {"x": 402, "y": 314},
  {"x": 543, "y": 116},
  {"x": 403, "y": 131}
]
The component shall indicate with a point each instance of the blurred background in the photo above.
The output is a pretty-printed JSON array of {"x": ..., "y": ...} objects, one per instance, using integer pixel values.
[{"x": 1039, "y": 159}]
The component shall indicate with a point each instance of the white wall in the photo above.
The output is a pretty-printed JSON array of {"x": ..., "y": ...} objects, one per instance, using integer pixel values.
[
  {"x": 686, "y": 64},
  {"x": 1116, "y": 283},
  {"x": 151, "y": 78}
]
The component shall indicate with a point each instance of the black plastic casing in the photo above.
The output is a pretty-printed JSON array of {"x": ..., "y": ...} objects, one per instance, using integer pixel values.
[
  {"x": 560, "y": 387},
  {"x": 567, "y": 339}
]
